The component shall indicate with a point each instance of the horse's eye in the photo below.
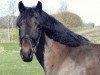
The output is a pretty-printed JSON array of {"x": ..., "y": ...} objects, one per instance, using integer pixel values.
[
  {"x": 39, "y": 26},
  {"x": 20, "y": 25},
  {"x": 35, "y": 23},
  {"x": 36, "y": 18}
]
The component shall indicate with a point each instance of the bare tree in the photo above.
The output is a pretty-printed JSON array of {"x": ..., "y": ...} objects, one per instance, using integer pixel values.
[
  {"x": 63, "y": 6},
  {"x": 11, "y": 10},
  {"x": 62, "y": 11}
]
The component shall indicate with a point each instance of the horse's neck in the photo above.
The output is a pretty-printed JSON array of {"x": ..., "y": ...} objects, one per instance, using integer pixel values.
[{"x": 53, "y": 56}]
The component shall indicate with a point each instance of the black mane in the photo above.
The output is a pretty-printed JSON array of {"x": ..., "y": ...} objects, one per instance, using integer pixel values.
[{"x": 58, "y": 32}]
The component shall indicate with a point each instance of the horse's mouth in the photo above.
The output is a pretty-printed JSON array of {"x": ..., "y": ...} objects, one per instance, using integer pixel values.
[{"x": 26, "y": 56}]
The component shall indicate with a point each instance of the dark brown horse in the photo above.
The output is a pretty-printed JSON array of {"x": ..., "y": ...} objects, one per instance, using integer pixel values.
[{"x": 58, "y": 50}]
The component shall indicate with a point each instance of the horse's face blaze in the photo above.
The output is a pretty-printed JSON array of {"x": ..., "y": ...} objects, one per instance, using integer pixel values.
[{"x": 28, "y": 22}]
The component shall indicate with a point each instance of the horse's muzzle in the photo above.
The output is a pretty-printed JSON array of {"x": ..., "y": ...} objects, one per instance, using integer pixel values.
[{"x": 26, "y": 56}]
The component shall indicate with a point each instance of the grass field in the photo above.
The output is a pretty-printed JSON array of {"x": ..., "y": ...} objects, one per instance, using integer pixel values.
[{"x": 10, "y": 61}]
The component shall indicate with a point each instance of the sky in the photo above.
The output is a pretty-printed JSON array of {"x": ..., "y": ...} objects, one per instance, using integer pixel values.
[{"x": 88, "y": 10}]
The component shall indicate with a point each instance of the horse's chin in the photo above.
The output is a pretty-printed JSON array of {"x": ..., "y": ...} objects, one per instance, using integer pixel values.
[{"x": 27, "y": 60}]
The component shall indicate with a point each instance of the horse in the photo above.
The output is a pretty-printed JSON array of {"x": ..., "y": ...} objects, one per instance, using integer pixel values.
[{"x": 59, "y": 50}]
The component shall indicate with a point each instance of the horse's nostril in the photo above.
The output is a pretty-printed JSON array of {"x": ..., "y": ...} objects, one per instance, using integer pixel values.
[{"x": 26, "y": 54}]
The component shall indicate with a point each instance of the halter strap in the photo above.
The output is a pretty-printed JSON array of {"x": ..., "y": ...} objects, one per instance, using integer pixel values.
[{"x": 34, "y": 50}]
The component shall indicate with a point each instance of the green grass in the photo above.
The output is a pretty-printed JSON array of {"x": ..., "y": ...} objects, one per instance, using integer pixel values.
[
  {"x": 10, "y": 46},
  {"x": 11, "y": 64}
]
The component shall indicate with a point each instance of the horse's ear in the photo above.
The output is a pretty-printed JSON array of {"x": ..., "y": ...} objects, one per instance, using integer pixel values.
[
  {"x": 39, "y": 7},
  {"x": 21, "y": 7}
]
